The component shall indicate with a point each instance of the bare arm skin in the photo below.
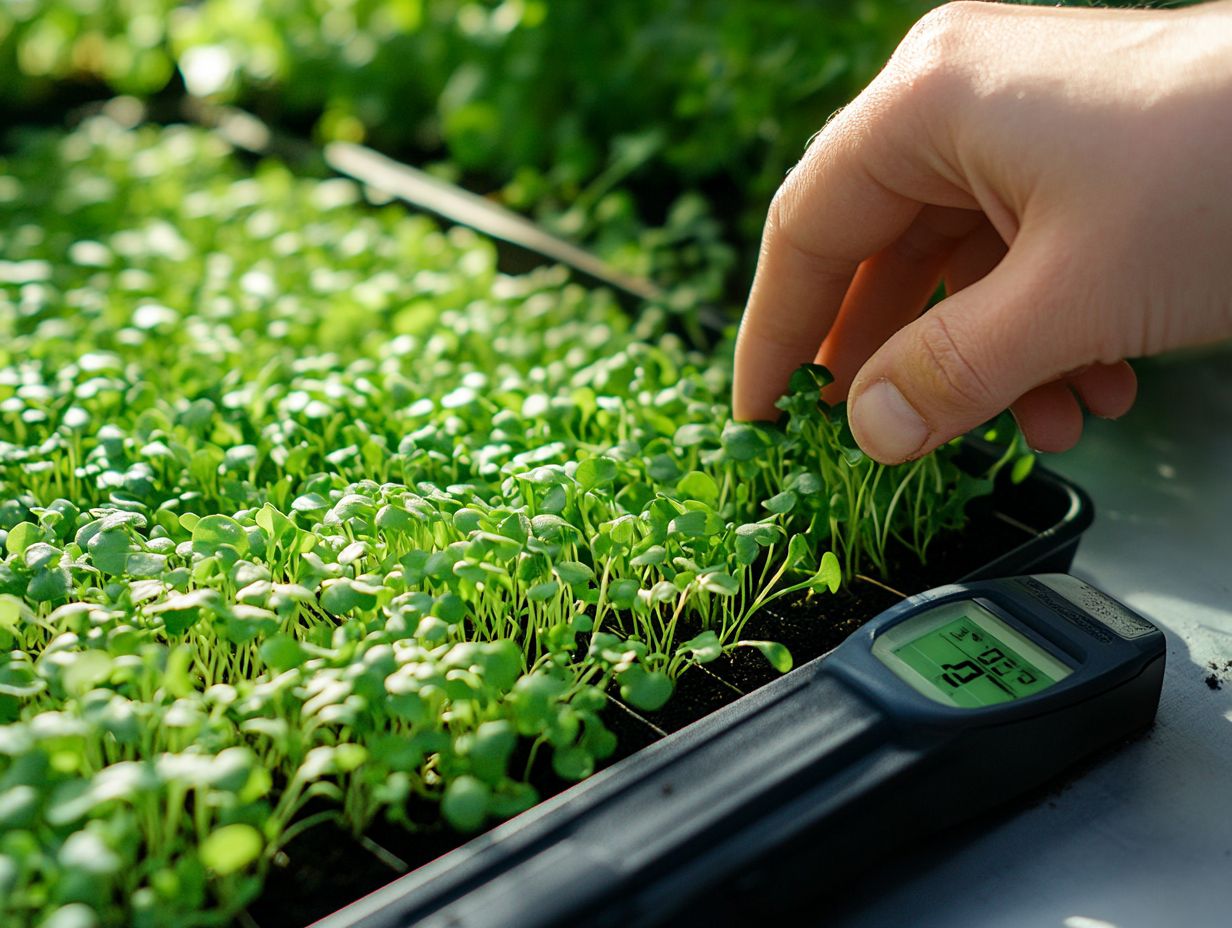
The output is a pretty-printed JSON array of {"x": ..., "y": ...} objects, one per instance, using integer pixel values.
[{"x": 1068, "y": 175}]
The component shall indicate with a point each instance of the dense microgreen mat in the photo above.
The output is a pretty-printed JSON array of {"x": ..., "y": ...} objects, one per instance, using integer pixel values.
[
  {"x": 308, "y": 513},
  {"x": 554, "y": 107}
]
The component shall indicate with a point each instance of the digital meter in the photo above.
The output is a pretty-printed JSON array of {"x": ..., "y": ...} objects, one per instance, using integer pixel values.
[{"x": 944, "y": 706}]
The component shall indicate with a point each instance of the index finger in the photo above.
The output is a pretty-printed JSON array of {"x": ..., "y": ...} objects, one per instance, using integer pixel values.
[{"x": 833, "y": 212}]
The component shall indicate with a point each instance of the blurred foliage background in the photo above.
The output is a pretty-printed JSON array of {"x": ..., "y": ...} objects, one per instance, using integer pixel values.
[{"x": 656, "y": 131}]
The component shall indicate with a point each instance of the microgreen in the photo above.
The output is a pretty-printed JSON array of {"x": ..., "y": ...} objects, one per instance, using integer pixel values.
[{"x": 310, "y": 514}]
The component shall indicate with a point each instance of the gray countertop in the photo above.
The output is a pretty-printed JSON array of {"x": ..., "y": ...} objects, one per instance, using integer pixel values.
[{"x": 1143, "y": 838}]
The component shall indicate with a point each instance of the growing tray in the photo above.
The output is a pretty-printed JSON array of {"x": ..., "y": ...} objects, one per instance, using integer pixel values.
[{"x": 1031, "y": 527}]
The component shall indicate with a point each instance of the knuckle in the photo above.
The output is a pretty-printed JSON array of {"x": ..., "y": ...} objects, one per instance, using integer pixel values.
[
  {"x": 930, "y": 60},
  {"x": 948, "y": 369},
  {"x": 942, "y": 23}
]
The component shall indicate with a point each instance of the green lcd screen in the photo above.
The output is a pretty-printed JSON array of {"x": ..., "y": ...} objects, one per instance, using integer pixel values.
[{"x": 962, "y": 655}]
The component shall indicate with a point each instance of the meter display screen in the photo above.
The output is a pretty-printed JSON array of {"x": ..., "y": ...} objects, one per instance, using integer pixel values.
[{"x": 962, "y": 655}]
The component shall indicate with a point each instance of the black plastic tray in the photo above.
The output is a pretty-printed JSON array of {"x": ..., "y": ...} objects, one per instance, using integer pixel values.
[{"x": 1047, "y": 511}]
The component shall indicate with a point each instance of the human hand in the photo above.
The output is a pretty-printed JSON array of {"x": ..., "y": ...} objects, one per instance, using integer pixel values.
[{"x": 1067, "y": 174}]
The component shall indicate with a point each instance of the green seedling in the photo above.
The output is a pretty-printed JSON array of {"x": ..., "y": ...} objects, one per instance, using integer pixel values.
[{"x": 309, "y": 514}]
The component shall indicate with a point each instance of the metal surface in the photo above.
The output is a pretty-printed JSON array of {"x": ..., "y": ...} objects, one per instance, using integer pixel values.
[{"x": 1143, "y": 839}]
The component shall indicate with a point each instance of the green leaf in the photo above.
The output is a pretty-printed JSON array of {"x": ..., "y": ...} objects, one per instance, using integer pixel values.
[
  {"x": 549, "y": 526},
  {"x": 808, "y": 483},
  {"x": 12, "y": 612},
  {"x": 465, "y": 803},
  {"x": 48, "y": 586},
  {"x": 596, "y": 472},
  {"x": 409, "y": 707},
  {"x": 1023, "y": 465},
  {"x": 489, "y": 750},
  {"x": 19, "y": 679},
  {"x": 781, "y": 504},
  {"x": 645, "y": 689},
  {"x": 21, "y": 536},
  {"x": 212, "y": 532},
  {"x": 760, "y": 533},
  {"x": 178, "y": 679},
  {"x": 142, "y": 564},
  {"x": 511, "y": 799},
  {"x": 40, "y": 556},
  {"x": 596, "y": 739},
  {"x": 432, "y": 630},
  {"x": 265, "y": 519},
  {"x": 724, "y": 584},
  {"x": 310, "y": 502},
  {"x": 180, "y": 613},
  {"x": 691, "y": 524},
  {"x": 282, "y": 652},
  {"x": 746, "y": 549},
  {"x": 699, "y": 486},
  {"x": 693, "y": 434},
  {"x": 662, "y": 468},
  {"x": 663, "y": 592},
  {"x": 610, "y": 650},
  {"x": 109, "y": 551},
  {"x": 231, "y": 848},
  {"x": 349, "y": 757},
  {"x": 73, "y": 915},
  {"x": 248, "y": 623},
  {"x": 777, "y": 654},
  {"x": 541, "y": 592},
  {"x": 623, "y": 593},
  {"x": 18, "y": 807},
  {"x": 573, "y": 573},
  {"x": 799, "y": 551},
  {"x": 451, "y": 607},
  {"x": 581, "y": 623},
  {"x": 572, "y": 762},
  {"x": 532, "y": 699},
  {"x": 515, "y": 527},
  {"x": 743, "y": 442},
  {"x": 810, "y": 379},
  {"x": 655, "y": 554},
  {"x": 829, "y": 573},
  {"x": 554, "y": 500},
  {"x": 343, "y": 595},
  {"x": 502, "y": 663},
  {"x": 704, "y": 648},
  {"x": 85, "y": 671},
  {"x": 198, "y": 413}
]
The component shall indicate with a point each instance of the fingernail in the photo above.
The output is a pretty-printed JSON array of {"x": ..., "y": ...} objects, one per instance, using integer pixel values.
[{"x": 885, "y": 424}]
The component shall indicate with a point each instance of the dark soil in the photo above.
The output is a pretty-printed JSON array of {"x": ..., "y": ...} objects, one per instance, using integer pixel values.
[{"x": 321, "y": 867}]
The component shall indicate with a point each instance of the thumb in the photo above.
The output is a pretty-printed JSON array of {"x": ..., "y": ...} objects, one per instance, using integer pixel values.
[{"x": 967, "y": 359}]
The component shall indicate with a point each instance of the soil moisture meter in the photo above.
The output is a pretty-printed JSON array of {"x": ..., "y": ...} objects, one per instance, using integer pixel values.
[{"x": 942, "y": 707}]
